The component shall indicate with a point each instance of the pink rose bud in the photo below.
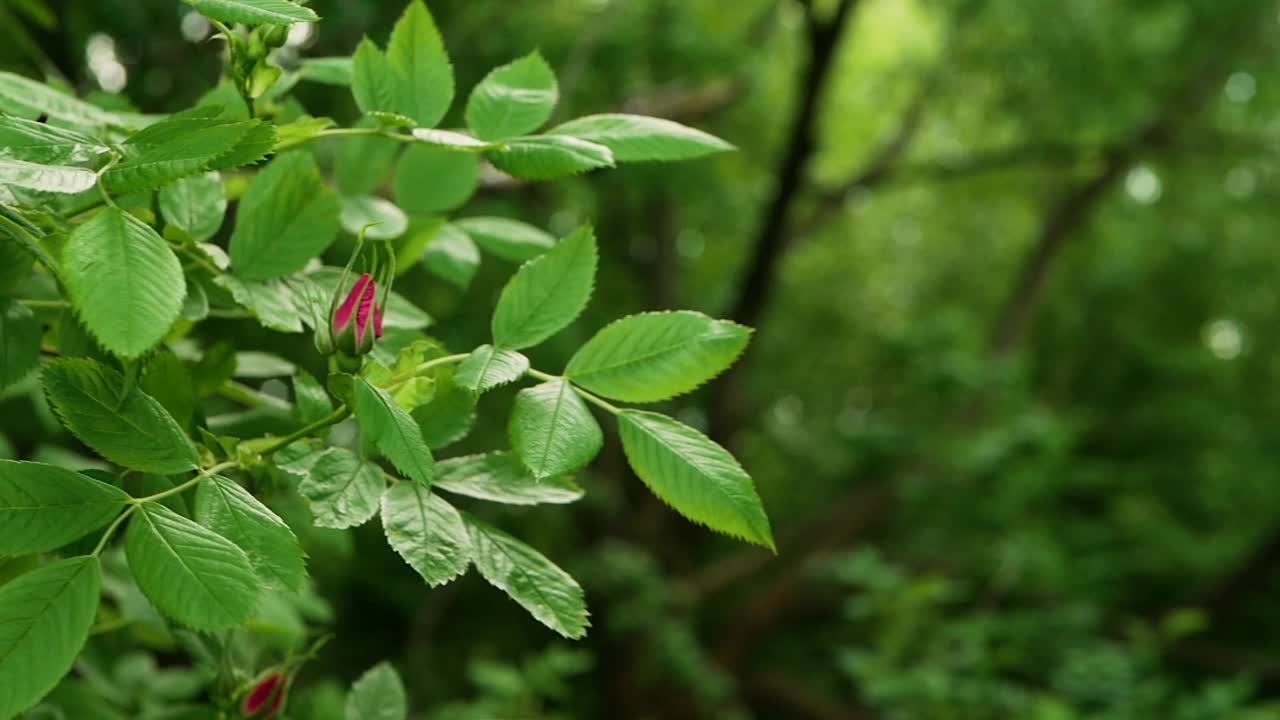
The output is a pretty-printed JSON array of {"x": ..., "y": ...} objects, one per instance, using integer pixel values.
[
  {"x": 266, "y": 694},
  {"x": 358, "y": 320}
]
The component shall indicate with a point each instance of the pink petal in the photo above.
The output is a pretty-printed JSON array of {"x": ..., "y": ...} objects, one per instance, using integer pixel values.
[
  {"x": 343, "y": 315},
  {"x": 362, "y": 311},
  {"x": 377, "y": 322},
  {"x": 260, "y": 694}
]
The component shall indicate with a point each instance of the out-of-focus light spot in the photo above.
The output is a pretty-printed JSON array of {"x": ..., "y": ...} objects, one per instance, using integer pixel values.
[
  {"x": 300, "y": 34},
  {"x": 1223, "y": 338},
  {"x": 1240, "y": 87},
  {"x": 195, "y": 28},
  {"x": 100, "y": 52},
  {"x": 690, "y": 244},
  {"x": 788, "y": 411},
  {"x": 1143, "y": 185},
  {"x": 1240, "y": 182}
]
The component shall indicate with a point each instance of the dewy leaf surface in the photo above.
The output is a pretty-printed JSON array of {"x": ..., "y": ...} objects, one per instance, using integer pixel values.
[
  {"x": 378, "y": 694},
  {"x": 514, "y": 99},
  {"x": 546, "y": 293},
  {"x": 550, "y": 594},
  {"x": 427, "y": 532},
  {"x": 393, "y": 431},
  {"x": 45, "y": 616},
  {"x": 552, "y": 430},
  {"x": 499, "y": 477},
  {"x": 124, "y": 281},
  {"x": 134, "y": 430},
  {"x": 342, "y": 490},
  {"x": 488, "y": 367},
  {"x": 694, "y": 475},
  {"x": 287, "y": 217},
  {"x": 43, "y": 507},
  {"x": 656, "y": 356},
  {"x": 229, "y": 510},
  {"x": 254, "y": 12},
  {"x": 634, "y": 138},
  {"x": 189, "y": 572}
]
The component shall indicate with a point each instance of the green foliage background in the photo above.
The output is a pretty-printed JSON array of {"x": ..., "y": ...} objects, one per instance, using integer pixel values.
[{"x": 1010, "y": 401}]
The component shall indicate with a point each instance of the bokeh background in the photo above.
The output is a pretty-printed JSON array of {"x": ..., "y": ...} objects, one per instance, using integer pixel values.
[{"x": 1012, "y": 399}]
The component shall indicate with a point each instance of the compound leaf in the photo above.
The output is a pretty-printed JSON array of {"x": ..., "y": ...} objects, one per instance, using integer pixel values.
[
  {"x": 546, "y": 293},
  {"x": 427, "y": 532},
  {"x": 45, "y": 616},
  {"x": 129, "y": 428},
  {"x": 43, "y": 507},
  {"x": 124, "y": 281},
  {"x": 189, "y": 572},
  {"x": 552, "y": 430},
  {"x": 694, "y": 475}
]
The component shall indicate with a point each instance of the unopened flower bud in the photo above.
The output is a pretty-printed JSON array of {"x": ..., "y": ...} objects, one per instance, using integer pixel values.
[{"x": 357, "y": 322}]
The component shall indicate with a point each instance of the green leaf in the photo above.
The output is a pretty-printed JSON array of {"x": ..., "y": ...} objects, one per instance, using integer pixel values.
[
  {"x": 400, "y": 312},
  {"x": 300, "y": 130},
  {"x": 429, "y": 180},
  {"x": 550, "y": 595},
  {"x": 47, "y": 178},
  {"x": 488, "y": 367},
  {"x": 546, "y": 293},
  {"x": 393, "y": 431},
  {"x": 195, "y": 205},
  {"x": 254, "y": 12},
  {"x": 427, "y": 532},
  {"x": 499, "y": 477},
  {"x": 124, "y": 281},
  {"x": 385, "y": 220},
  {"x": 272, "y": 302},
  {"x": 43, "y": 507},
  {"x": 377, "y": 695},
  {"x": 692, "y": 474},
  {"x": 29, "y": 99},
  {"x": 286, "y": 218},
  {"x": 636, "y": 137},
  {"x": 45, "y": 144},
  {"x": 421, "y": 76},
  {"x": 363, "y": 162},
  {"x": 45, "y": 616},
  {"x": 508, "y": 239},
  {"x": 342, "y": 490},
  {"x": 547, "y": 157},
  {"x": 552, "y": 430},
  {"x": 185, "y": 144},
  {"x": 229, "y": 510},
  {"x": 189, "y": 572},
  {"x": 371, "y": 81},
  {"x": 656, "y": 356},
  {"x": 452, "y": 255},
  {"x": 132, "y": 430},
  {"x": 513, "y": 99},
  {"x": 310, "y": 398},
  {"x": 327, "y": 70},
  {"x": 20, "y": 333}
]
